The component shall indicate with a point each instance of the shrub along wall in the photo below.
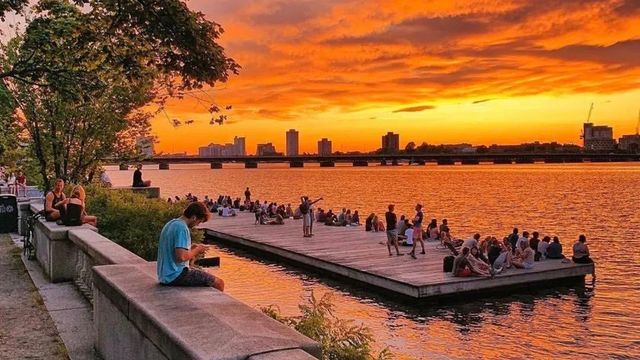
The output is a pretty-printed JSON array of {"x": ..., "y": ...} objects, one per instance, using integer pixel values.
[{"x": 132, "y": 220}]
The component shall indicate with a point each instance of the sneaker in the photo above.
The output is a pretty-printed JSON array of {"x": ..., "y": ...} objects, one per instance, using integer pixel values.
[
  {"x": 423, "y": 253},
  {"x": 413, "y": 255},
  {"x": 401, "y": 254}
]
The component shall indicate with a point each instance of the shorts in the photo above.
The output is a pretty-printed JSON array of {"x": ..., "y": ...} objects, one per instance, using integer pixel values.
[
  {"x": 392, "y": 236},
  {"x": 193, "y": 277},
  {"x": 417, "y": 232},
  {"x": 306, "y": 220}
]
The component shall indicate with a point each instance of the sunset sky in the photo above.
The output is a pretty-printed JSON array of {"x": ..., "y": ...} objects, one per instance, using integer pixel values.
[{"x": 477, "y": 71}]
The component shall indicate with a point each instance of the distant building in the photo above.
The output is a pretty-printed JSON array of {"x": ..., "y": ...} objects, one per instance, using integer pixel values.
[
  {"x": 391, "y": 143},
  {"x": 598, "y": 138},
  {"x": 240, "y": 145},
  {"x": 459, "y": 148},
  {"x": 630, "y": 143},
  {"x": 144, "y": 144},
  {"x": 266, "y": 150},
  {"x": 324, "y": 147},
  {"x": 224, "y": 150},
  {"x": 292, "y": 143}
]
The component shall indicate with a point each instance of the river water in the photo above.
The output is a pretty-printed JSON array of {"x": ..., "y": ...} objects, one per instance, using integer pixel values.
[{"x": 599, "y": 321}]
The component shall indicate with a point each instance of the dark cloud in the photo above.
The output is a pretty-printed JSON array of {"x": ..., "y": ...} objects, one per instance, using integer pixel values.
[
  {"x": 415, "y": 108},
  {"x": 626, "y": 53},
  {"x": 420, "y": 30},
  {"x": 628, "y": 8},
  {"x": 482, "y": 101},
  {"x": 291, "y": 12}
]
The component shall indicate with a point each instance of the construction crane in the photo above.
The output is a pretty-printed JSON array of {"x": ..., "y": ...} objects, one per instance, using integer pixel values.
[{"x": 588, "y": 120}]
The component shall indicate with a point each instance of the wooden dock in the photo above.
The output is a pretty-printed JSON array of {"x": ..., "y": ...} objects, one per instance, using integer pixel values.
[{"x": 352, "y": 253}]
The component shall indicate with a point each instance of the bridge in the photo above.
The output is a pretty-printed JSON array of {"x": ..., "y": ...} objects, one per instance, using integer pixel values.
[{"x": 395, "y": 159}]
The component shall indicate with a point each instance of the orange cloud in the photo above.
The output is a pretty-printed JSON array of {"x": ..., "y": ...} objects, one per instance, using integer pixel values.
[{"x": 330, "y": 68}]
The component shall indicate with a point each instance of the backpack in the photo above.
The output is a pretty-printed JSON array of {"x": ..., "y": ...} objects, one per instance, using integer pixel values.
[
  {"x": 304, "y": 208},
  {"x": 447, "y": 263}
]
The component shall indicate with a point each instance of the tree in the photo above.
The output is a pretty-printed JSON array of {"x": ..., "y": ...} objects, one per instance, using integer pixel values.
[
  {"x": 410, "y": 148},
  {"x": 83, "y": 79}
]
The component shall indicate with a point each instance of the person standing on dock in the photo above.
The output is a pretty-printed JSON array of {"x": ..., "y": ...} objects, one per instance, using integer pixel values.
[
  {"x": 305, "y": 210},
  {"x": 247, "y": 196},
  {"x": 175, "y": 251},
  {"x": 513, "y": 240},
  {"x": 417, "y": 231},
  {"x": 392, "y": 231}
]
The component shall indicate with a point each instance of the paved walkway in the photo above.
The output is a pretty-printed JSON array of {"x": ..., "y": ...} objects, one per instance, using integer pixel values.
[{"x": 26, "y": 329}]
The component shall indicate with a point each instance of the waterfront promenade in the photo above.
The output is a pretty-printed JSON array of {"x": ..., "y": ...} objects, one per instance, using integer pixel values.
[{"x": 352, "y": 253}]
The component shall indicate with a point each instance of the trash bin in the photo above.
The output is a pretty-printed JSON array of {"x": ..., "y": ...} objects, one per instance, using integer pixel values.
[{"x": 8, "y": 213}]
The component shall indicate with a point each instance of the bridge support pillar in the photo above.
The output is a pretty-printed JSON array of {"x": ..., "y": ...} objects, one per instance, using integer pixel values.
[
  {"x": 394, "y": 163},
  {"x": 524, "y": 160},
  {"x": 446, "y": 162},
  {"x": 216, "y": 165},
  {"x": 418, "y": 162},
  {"x": 296, "y": 164},
  {"x": 383, "y": 163},
  {"x": 124, "y": 166},
  {"x": 251, "y": 165},
  {"x": 502, "y": 161},
  {"x": 471, "y": 161},
  {"x": 360, "y": 163},
  {"x": 553, "y": 160},
  {"x": 327, "y": 163},
  {"x": 163, "y": 166}
]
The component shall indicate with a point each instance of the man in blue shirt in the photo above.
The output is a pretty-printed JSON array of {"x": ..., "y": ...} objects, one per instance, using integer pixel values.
[{"x": 175, "y": 251}]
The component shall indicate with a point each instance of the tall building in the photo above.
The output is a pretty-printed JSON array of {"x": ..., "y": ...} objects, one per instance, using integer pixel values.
[
  {"x": 266, "y": 149},
  {"x": 324, "y": 147},
  {"x": 391, "y": 143},
  {"x": 598, "y": 138},
  {"x": 292, "y": 143},
  {"x": 629, "y": 143},
  {"x": 144, "y": 144},
  {"x": 240, "y": 145}
]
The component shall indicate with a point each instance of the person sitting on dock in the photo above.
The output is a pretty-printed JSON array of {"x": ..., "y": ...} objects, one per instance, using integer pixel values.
[
  {"x": 137, "y": 178},
  {"x": 368, "y": 223},
  {"x": 330, "y": 218},
  {"x": 523, "y": 239},
  {"x": 461, "y": 264},
  {"x": 476, "y": 253},
  {"x": 289, "y": 211},
  {"x": 525, "y": 256},
  {"x": 473, "y": 242},
  {"x": 534, "y": 241},
  {"x": 408, "y": 235},
  {"x": 541, "y": 251},
  {"x": 342, "y": 218},
  {"x": 402, "y": 226},
  {"x": 278, "y": 220},
  {"x": 476, "y": 265},
  {"x": 355, "y": 219},
  {"x": 347, "y": 218},
  {"x": 227, "y": 211},
  {"x": 175, "y": 251},
  {"x": 554, "y": 251},
  {"x": 581, "y": 251},
  {"x": 433, "y": 233}
]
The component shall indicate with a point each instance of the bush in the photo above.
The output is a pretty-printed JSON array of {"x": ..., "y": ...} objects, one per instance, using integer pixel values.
[
  {"x": 339, "y": 339},
  {"x": 132, "y": 220}
]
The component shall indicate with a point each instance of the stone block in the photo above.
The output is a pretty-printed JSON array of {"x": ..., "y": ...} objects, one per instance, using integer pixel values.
[{"x": 198, "y": 323}]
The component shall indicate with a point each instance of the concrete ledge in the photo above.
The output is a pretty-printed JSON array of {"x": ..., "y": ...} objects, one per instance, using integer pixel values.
[
  {"x": 102, "y": 250},
  {"x": 54, "y": 251},
  {"x": 136, "y": 317},
  {"x": 152, "y": 192}
]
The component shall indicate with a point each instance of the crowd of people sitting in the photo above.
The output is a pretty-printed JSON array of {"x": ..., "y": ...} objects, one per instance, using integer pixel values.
[{"x": 490, "y": 256}]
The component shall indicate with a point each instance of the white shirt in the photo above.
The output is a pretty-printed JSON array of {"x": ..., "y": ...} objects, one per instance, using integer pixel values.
[
  {"x": 522, "y": 239},
  {"x": 105, "y": 179},
  {"x": 470, "y": 243},
  {"x": 226, "y": 212},
  {"x": 11, "y": 180},
  {"x": 409, "y": 235},
  {"x": 542, "y": 247}
]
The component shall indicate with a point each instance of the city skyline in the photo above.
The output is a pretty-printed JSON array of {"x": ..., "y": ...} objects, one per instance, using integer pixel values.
[{"x": 504, "y": 72}]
